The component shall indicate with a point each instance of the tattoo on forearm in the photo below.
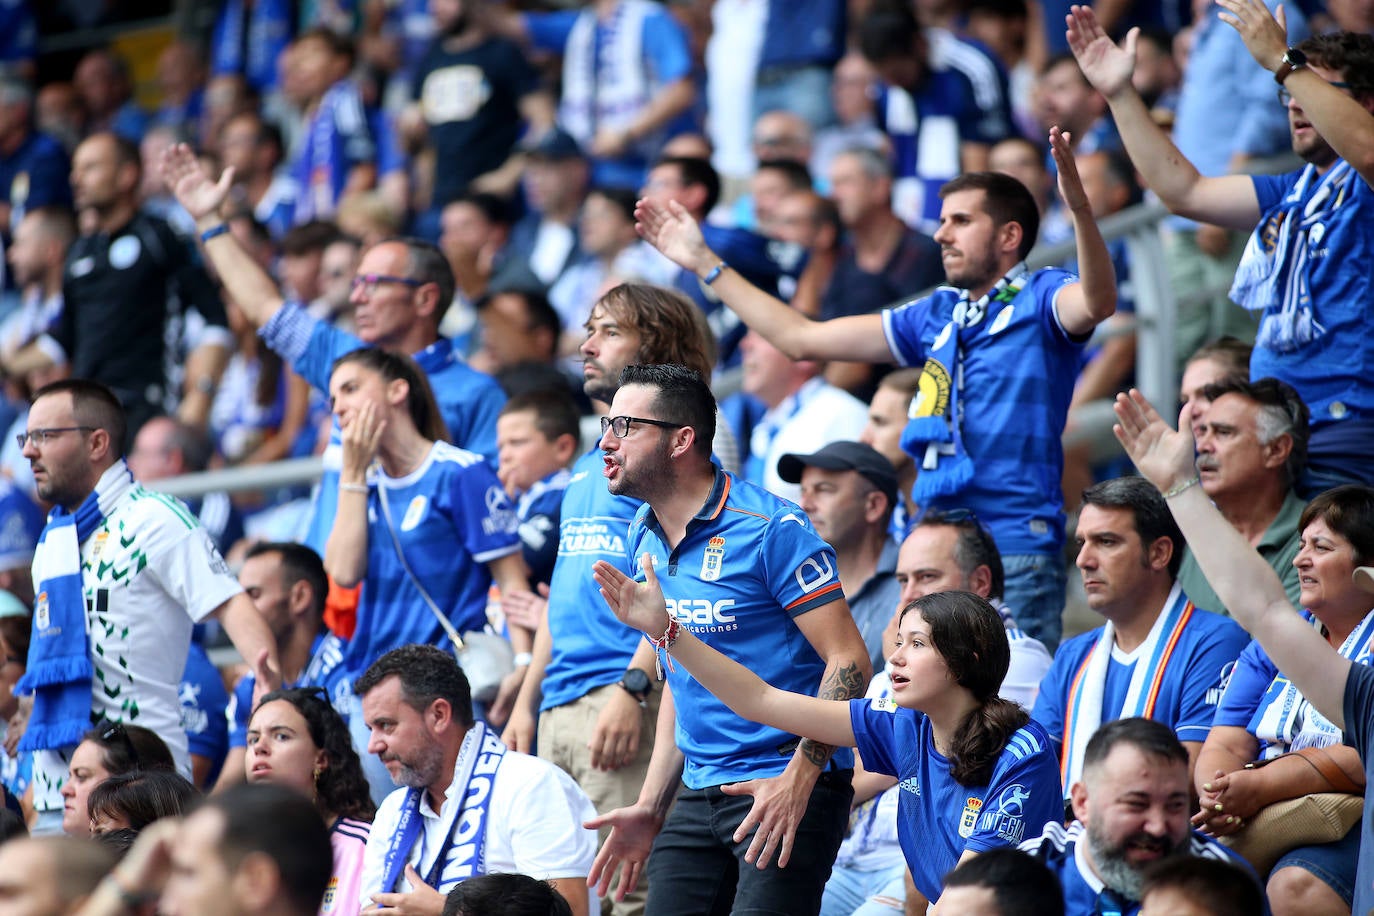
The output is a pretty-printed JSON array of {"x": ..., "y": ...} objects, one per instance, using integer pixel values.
[{"x": 843, "y": 683}]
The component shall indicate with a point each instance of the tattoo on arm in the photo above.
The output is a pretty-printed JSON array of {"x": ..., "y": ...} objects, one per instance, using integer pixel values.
[{"x": 843, "y": 683}]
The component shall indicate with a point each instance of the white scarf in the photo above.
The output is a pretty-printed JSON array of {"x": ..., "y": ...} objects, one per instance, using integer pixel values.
[{"x": 607, "y": 89}]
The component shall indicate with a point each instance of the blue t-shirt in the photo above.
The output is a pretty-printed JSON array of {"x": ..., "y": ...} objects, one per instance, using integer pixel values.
[
  {"x": 337, "y": 138},
  {"x": 748, "y": 566},
  {"x": 203, "y": 704},
  {"x": 762, "y": 261},
  {"x": 1188, "y": 692},
  {"x": 469, "y": 401},
  {"x": 539, "y": 509},
  {"x": 35, "y": 175},
  {"x": 1358, "y": 708},
  {"x": 1334, "y": 369},
  {"x": 803, "y": 33},
  {"x": 939, "y": 819},
  {"x": 1019, "y": 369},
  {"x": 325, "y": 654},
  {"x": 451, "y": 517},
  {"x": 1058, "y": 849},
  {"x": 1260, "y": 699},
  {"x": 591, "y": 648}
]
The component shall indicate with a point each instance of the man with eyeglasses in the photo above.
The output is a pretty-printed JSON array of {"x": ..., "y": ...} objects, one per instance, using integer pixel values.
[
  {"x": 1304, "y": 272},
  {"x": 1251, "y": 450},
  {"x": 399, "y": 294},
  {"x": 121, "y": 575},
  {"x": 745, "y": 572}
]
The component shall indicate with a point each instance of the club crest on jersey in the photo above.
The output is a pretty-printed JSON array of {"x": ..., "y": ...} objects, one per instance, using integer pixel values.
[
  {"x": 414, "y": 512},
  {"x": 969, "y": 819},
  {"x": 41, "y": 617},
  {"x": 712, "y": 559},
  {"x": 100, "y": 538}
]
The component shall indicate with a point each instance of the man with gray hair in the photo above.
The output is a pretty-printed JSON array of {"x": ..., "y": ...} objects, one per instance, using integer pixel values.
[
  {"x": 881, "y": 260},
  {"x": 1251, "y": 450}
]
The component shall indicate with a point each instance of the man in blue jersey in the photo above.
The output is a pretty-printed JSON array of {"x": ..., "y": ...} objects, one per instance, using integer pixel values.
[
  {"x": 1157, "y": 656},
  {"x": 400, "y": 293},
  {"x": 747, "y": 573},
  {"x": 591, "y": 679},
  {"x": 1130, "y": 809},
  {"x": 1011, "y": 338},
  {"x": 287, "y": 584},
  {"x": 1305, "y": 270}
]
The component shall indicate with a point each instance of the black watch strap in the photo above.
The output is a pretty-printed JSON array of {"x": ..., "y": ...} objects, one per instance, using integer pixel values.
[{"x": 1293, "y": 59}]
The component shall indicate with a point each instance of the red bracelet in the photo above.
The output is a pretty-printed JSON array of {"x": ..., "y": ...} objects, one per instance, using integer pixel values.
[{"x": 662, "y": 646}]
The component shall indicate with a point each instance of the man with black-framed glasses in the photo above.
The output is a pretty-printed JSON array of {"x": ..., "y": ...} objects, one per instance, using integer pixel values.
[
  {"x": 121, "y": 575},
  {"x": 1304, "y": 274}
]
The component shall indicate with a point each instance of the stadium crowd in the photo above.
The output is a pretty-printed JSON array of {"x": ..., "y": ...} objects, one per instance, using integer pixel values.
[{"x": 706, "y": 475}]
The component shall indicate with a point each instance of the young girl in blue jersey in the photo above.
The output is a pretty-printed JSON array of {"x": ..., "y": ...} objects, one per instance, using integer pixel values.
[
  {"x": 416, "y": 516},
  {"x": 975, "y": 773}
]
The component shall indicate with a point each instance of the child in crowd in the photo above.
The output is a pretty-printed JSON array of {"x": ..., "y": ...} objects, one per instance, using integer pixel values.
[{"x": 537, "y": 440}]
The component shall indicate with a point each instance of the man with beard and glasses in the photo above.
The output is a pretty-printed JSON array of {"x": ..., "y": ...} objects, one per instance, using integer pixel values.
[
  {"x": 1000, "y": 349},
  {"x": 1131, "y": 809},
  {"x": 467, "y": 806},
  {"x": 1301, "y": 272}
]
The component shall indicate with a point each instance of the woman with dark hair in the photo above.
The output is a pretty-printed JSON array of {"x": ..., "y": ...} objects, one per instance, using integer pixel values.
[
  {"x": 976, "y": 773},
  {"x": 132, "y": 801},
  {"x": 297, "y": 740},
  {"x": 111, "y": 749},
  {"x": 1262, "y": 714},
  {"x": 423, "y": 523}
]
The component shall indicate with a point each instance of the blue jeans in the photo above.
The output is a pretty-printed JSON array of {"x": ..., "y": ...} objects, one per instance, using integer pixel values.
[
  {"x": 1035, "y": 594},
  {"x": 850, "y": 891},
  {"x": 697, "y": 869}
]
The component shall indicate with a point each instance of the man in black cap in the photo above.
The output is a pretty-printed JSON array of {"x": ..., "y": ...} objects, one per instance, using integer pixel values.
[
  {"x": 555, "y": 183},
  {"x": 849, "y": 491}
]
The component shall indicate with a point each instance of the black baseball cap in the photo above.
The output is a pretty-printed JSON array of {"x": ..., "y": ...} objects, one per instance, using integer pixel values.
[
  {"x": 554, "y": 144},
  {"x": 844, "y": 455}
]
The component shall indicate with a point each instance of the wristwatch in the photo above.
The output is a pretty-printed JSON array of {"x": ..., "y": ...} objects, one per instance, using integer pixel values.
[
  {"x": 1293, "y": 59},
  {"x": 636, "y": 683}
]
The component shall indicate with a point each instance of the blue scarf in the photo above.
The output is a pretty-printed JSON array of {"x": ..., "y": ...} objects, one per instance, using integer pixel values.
[
  {"x": 1272, "y": 277},
  {"x": 463, "y": 852},
  {"x": 933, "y": 432},
  {"x": 59, "y": 666}
]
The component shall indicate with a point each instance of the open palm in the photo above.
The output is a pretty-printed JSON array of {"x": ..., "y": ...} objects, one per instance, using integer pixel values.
[
  {"x": 673, "y": 231},
  {"x": 194, "y": 190},
  {"x": 1107, "y": 66}
]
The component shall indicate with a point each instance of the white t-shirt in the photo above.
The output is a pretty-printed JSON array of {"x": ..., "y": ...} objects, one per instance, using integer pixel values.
[
  {"x": 149, "y": 573},
  {"x": 534, "y": 827}
]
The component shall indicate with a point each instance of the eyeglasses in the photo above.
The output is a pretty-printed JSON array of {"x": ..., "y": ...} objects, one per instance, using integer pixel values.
[
  {"x": 1285, "y": 96},
  {"x": 39, "y": 437},
  {"x": 368, "y": 283},
  {"x": 116, "y": 730},
  {"x": 621, "y": 425}
]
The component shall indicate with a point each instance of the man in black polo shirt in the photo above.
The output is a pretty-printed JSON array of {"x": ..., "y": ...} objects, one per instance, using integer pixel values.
[{"x": 133, "y": 291}]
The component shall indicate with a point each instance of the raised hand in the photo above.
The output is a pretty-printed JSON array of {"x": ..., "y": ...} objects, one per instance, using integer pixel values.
[
  {"x": 193, "y": 189},
  {"x": 1107, "y": 66},
  {"x": 1070, "y": 184},
  {"x": 636, "y": 604},
  {"x": 1162, "y": 455},
  {"x": 673, "y": 231},
  {"x": 1265, "y": 35}
]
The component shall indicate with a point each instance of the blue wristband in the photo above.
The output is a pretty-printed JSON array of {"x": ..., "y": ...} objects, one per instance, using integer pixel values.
[
  {"x": 213, "y": 232},
  {"x": 714, "y": 273}
]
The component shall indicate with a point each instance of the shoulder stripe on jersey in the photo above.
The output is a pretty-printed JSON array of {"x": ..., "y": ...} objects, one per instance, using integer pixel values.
[
  {"x": 724, "y": 495},
  {"x": 171, "y": 503},
  {"x": 1055, "y": 833},
  {"x": 744, "y": 512},
  {"x": 805, "y": 599}
]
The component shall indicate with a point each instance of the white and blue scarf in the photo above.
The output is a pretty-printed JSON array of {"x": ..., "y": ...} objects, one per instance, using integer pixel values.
[
  {"x": 463, "y": 852},
  {"x": 59, "y": 668},
  {"x": 1272, "y": 277},
  {"x": 604, "y": 75},
  {"x": 934, "y": 429}
]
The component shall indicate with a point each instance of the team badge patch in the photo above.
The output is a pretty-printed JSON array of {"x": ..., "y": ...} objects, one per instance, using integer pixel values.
[
  {"x": 883, "y": 704},
  {"x": 41, "y": 617},
  {"x": 414, "y": 512},
  {"x": 100, "y": 539},
  {"x": 969, "y": 819},
  {"x": 712, "y": 558}
]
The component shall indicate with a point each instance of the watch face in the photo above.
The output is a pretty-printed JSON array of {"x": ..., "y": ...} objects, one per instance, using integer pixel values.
[
  {"x": 636, "y": 681},
  {"x": 1295, "y": 58}
]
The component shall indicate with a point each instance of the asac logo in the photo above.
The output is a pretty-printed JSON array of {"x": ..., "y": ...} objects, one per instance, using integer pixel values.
[{"x": 700, "y": 613}]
